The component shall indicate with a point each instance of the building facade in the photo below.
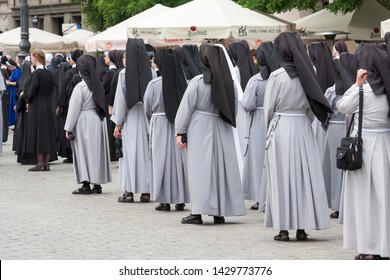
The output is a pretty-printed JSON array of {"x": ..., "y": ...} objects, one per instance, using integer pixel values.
[{"x": 50, "y": 15}]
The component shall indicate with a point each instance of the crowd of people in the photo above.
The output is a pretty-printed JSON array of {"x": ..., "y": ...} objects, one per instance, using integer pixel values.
[{"x": 213, "y": 126}]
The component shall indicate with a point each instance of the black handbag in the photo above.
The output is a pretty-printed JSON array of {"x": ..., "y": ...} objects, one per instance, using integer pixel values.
[
  {"x": 118, "y": 148},
  {"x": 349, "y": 154}
]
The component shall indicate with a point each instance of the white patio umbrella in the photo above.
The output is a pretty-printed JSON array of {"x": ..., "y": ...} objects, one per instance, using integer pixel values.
[
  {"x": 38, "y": 38},
  {"x": 385, "y": 27},
  {"x": 115, "y": 37},
  {"x": 362, "y": 24},
  {"x": 80, "y": 36},
  {"x": 209, "y": 19}
]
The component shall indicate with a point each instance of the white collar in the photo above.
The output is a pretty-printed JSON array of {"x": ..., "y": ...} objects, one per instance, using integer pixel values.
[
  {"x": 112, "y": 66},
  {"x": 39, "y": 67},
  {"x": 74, "y": 66}
]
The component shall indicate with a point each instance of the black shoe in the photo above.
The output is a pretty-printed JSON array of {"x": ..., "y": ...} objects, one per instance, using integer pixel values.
[
  {"x": 301, "y": 235},
  {"x": 163, "y": 207},
  {"x": 335, "y": 215},
  {"x": 82, "y": 190},
  {"x": 68, "y": 160},
  {"x": 255, "y": 206},
  {"x": 97, "y": 189},
  {"x": 180, "y": 206},
  {"x": 145, "y": 197},
  {"x": 219, "y": 220},
  {"x": 282, "y": 236},
  {"x": 370, "y": 257},
  {"x": 37, "y": 168},
  {"x": 192, "y": 219}
]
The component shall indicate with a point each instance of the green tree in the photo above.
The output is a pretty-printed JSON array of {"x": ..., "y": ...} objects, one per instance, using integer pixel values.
[
  {"x": 101, "y": 14},
  {"x": 278, "y": 6}
]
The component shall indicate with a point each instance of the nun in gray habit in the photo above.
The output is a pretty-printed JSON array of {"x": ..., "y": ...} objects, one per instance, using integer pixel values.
[
  {"x": 168, "y": 169},
  {"x": 252, "y": 101},
  {"x": 346, "y": 67},
  {"x": 366, "y": 191},
  {"x": 321, "y": 58},
  {"x": 189, "y": 56},
  {"x": 86, "y": 127},
  {"x": 206, "y": 116},
  {"x": 131, "y": 124},
  {"x": 296, "y": 197}
]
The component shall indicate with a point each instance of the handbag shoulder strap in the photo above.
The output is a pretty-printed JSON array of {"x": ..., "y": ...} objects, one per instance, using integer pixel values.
[
  {"x": 360, "y": 113},
  {"x": 360, "y": 116}
]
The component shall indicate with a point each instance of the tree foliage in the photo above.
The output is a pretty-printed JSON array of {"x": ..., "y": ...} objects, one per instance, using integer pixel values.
[{"x": 101, "y": 14}]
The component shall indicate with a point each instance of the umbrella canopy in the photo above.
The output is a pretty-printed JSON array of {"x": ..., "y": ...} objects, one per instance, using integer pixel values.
[
  {"x": 79, "y": 36},
  {"x": 385, "y": 27},
  {"x": 209, "y": 19},
  {"x": 115, "y": 37},
  {"x": 38, "y": 38},
  {"x": 362, "y": 24}
]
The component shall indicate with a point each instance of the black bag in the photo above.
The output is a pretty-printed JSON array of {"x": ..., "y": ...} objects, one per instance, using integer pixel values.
[
  {"x": 349, "y": 154},
  {"x": 118, "y": 148}
]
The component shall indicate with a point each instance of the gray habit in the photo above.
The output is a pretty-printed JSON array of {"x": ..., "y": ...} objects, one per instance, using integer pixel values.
[
  {"x": 252, "y": 101},
  {"x": 168, "y": 168},
  {"x": 336, "y": 130},
  {"x": 296, "y": 197},
  {"x": 213, "y": 173},
  {"x": 366, "y": 190},
  {"x": 1, "y": 122},
  {"x": 134, "y": 165},
  {"x": 91, "y": 155}
]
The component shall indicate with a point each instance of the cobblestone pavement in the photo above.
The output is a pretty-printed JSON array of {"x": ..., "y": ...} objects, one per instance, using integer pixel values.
[{"x": 41, "y": 219}]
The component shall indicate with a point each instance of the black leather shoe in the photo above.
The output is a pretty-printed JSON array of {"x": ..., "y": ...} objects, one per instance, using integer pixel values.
[
  {"x": 82, "y": 190},
  {"x": 145, "y": 197},
  {"x": 192, "y": 219},
  {"x": 97, "y": 189},
  {"x": 255, "y": 206},
  {"x": 335, "y": 215},
  {"x": 219, "y": 220},
  {"x": 68, "y": 160},
  {"x": 163, "y": 207},
  {"x": 180, "y": 207},
  {"x": 37, "y": 168}
]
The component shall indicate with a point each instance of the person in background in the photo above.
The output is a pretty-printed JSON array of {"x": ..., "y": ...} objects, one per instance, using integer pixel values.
[
  {"x": 21, "y": 130},
  {"x": 41, "y": 135},
  {"x": 325, "y": 74},
  {"x": 12, "y": 84},
  {"x": 204, "y": 126},
  {"x": 66, "y": 86},
  {"x": 252, "y": 101},
  {"x": 2, "y": 91},
  {"x": 168, "y": 169},
  {"x": 48, "y": 60},
  {"x": 86, "y": 128},
  {"x": 189, "y": 56},
  {"x": 114, "y": 62},
  {"x": 345, "y": 76},
  {"x": 131, "y": 125},
  {"x": 5, "y": 98}
]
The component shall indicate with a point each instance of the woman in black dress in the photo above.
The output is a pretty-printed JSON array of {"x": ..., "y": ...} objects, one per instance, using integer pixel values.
[{"x": 41, "y": 136}]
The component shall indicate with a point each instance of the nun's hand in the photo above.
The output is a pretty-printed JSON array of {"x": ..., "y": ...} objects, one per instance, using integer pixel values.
[
  {"x": 179, "y": 142},
  {"x": 117, "y": 132},
  {"x": 361, "y": 77},
  {"x": 67, "y": 135}
]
